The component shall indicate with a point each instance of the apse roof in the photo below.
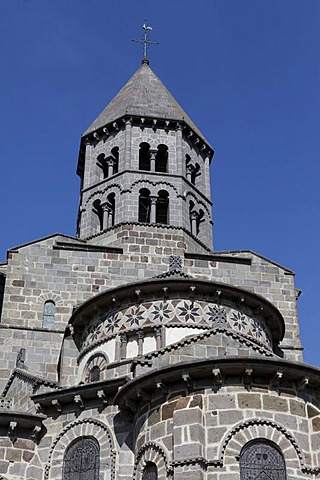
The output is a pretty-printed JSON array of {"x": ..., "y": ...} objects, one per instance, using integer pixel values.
[{"x": 143, "y": 95}]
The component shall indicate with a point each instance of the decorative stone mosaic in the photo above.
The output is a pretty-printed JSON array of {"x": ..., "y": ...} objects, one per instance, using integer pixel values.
[{"x": 170, "y": 312}]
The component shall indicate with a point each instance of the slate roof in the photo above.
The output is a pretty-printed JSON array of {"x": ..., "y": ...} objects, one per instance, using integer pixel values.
[{"x": 143, "y": 95}]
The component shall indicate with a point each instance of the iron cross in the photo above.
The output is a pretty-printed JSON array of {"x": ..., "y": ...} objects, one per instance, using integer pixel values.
[{"x": 145, "y": 41}]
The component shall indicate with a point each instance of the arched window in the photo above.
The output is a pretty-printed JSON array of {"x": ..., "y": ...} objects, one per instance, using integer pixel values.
[
  {"x": 97, "y": 209},
  {"x": 82, "y": 460},
  {"x": 144, "y": 157},
  {"x": 144, "y": 206},
  {"x": 95, "y": 374},
  {"x": 115, "y": 155},
  {"x": 200, "y": 219},
  {"x": 161, "y": 158},
  {"x": 95, "y": 368},
  {"x": 262, "y": 460},
  {"x": 195, "y": 173},
  {"x": 49, "y": 311},
  {"x": 150, "y": 472},
  {"x": 111, "y": 211},
  {"x": 102, "y": 163},
  {"x": 162, "y": 207}
]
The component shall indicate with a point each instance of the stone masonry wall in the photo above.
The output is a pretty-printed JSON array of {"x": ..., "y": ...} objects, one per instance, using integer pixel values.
[{"x": 39, "y": 272}]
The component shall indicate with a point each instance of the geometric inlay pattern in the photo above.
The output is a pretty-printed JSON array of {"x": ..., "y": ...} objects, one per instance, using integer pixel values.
[
  {"x": 261, "y": 460},
  {"x": 176, "y": 311}
]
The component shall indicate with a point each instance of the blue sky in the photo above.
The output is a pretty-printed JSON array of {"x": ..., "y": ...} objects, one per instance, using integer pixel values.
[{"x": 246, "y": 71}]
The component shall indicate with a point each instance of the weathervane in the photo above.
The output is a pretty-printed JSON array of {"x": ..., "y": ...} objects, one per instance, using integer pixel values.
[{"x": 145, "y": 42}]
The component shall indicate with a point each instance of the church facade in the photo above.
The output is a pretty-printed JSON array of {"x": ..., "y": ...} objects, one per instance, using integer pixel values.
[{"x": 134, "y": 350}]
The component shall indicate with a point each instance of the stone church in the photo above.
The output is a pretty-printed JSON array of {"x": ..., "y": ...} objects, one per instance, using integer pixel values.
[{"x": 134, "y": 350}]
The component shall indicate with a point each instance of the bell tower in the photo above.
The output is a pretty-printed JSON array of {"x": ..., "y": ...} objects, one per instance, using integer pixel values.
[{"x": 144, "y": 164}]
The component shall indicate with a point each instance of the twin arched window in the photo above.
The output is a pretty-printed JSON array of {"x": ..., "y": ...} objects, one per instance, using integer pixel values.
[
  {"x": 262, "y": 460},
  {"x": 109, "y": 164},
  {"x": 153, "y": 208},
  {"x": 153, "y": 160},
  {"x": 105, "y": 212}
]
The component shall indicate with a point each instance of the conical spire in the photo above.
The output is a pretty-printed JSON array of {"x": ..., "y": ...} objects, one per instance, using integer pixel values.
[{"x": 144, "y": 95}]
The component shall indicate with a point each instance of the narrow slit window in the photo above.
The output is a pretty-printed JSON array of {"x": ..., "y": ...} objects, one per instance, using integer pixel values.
[{"x": 49, "y": 312}]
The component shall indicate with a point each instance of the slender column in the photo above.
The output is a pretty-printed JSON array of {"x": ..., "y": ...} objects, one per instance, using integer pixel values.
[
  {"x": 111, "y": 162},
  {"x": 153, "y": 207},
  {"x": 123, "y": 345},
  {"x": 180, "y": 162},
  {"x": 153, "y": 154},
  {"x": 106, "y": 215},
  {"x": 127, "y": 159},
  {"x": 194, "y": 216},
  {"x": 190, "y": 169},
  {"x": 140, "y": 334},
  {"x": 158, "y": 335}
]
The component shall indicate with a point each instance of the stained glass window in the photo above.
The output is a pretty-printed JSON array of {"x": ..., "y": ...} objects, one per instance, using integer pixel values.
[
  {"x": 262, "y": 460},
  {"x": 82, "y": 460},
  {"x": 150, "y": 472}
]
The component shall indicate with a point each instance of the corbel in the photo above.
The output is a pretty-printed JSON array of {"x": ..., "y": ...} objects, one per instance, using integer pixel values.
[
  {"x": 302, "y": 383},
  {"x": 142, "y": 125},
  {"x": 166, "y": 125},
  {"x": 154, "y": 124},
  {"x": 38, "y": 408},
  {"x": 162, "y": 387},
  {"x": 96, "y": 136},
  {"x": 196, "y": 141},
  {"x": 12, "y": 430},
  {"x": 190, "y": 134},
  {"x": 203, "y": 147},
  {"x": 35, "y": 433},
  {"x": 277, "y": 378},
  {"x": 165, "y": 292},
  {"x": 241, "y": 302},
  {"x": 115, "y": 125},
  {"x": 187, "y": 380},
  {"x": 192, "y": 289},
  {"x": 115, "y": 301},
  {"x": 217, "y": 295},
  {"x": 217, "y": 377},
  {"x": 102, "y": 396},
  {"x": 106, "y": 131},
  {"x": 138, "y": 294},
  {"x": 247, "y": 376},
  {"x": 57, "y": 405},
  {"x": 70, "y": 328},
  {"x": 78, "y": 401}
]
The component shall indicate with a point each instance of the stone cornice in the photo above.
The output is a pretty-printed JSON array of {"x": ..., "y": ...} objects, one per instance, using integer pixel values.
[
  {"x": 88, "y": 247},
  {"x": 16, "y": 422},
  {"x": 77, "y": 397},
  {"x": 217, "y": 371}
]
